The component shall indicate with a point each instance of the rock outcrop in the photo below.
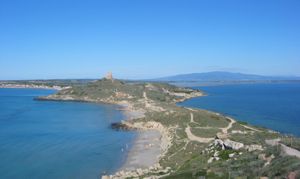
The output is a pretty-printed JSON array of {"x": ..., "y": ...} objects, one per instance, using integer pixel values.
[
  {"x": 233, "y": 145},
  {"x": 228, "y": 144}
]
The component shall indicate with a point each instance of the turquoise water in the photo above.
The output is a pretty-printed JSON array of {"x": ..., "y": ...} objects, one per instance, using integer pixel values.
[
  {"x": 44, "y": 139},
  {"x": 275, "y": 106}
]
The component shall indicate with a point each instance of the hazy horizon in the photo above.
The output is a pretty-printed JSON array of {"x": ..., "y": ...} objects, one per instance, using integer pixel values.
[
  {"x": 159, "y": 77},
  {"x": 147, "y": 39}
]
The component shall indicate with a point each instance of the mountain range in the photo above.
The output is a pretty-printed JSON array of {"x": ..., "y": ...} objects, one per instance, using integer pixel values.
[{"x": 223, "y": 76}]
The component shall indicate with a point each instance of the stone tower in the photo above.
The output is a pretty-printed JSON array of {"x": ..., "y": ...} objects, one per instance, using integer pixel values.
[{"x": 109, "y": 76}]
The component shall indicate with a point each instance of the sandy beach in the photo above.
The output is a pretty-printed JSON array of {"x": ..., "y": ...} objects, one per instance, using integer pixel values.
[
  {"x": 145, "y": 151},
  {"x": 146, "y": 148},
  {"x": 151, "y": 142}
]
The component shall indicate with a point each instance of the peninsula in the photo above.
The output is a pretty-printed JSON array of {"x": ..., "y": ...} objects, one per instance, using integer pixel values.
[{"x": 192, "y": 143}]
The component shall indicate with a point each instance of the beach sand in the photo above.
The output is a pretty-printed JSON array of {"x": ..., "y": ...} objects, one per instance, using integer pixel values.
[
  {"x": 150, "y": 144},
  {"x": 145, "y": 151}
]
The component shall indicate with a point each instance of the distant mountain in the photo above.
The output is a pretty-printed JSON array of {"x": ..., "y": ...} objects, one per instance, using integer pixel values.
[{"x": 222, "y": 76}]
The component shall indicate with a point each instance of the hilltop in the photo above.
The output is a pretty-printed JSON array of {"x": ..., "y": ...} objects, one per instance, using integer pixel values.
[
  {"x": 115, "y": 91},
  {"x": 194, "y": 142}
]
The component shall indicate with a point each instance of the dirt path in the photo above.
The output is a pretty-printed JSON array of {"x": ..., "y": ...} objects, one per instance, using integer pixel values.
[
  {"x": 183, "y": 148},
  {"x": 205, "y": 128},
  {"x": 192, "y": 120},
  {"x": 147, "y": 104},
  {"x": 192, "y": 117},
  {"x": 251, "y": 128},
  {"x": 145, "y": 95},
  {"x": 151, "y": 105},
  {"x": 290, "y": 151},
  {"x": 225, "y": 129},
  {"x": 192, "y": 137},
  {"x": 191, "y": 109}
]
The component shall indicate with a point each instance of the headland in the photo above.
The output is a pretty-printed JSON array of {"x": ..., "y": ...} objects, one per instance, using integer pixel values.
[{"x": 179, "y": 142}]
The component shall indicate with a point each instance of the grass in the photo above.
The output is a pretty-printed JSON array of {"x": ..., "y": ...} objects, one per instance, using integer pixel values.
[
  {"x": 207, "y": 119},
  {"x": 238, "y": 127},
  {"x": 207, "y": 133},
  {"x": 255, "y": 138},
  {"x": 186, "y": 158}
]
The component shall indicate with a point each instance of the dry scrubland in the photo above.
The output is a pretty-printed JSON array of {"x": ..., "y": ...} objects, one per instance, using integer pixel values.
[{"x": 194, "y": 142}]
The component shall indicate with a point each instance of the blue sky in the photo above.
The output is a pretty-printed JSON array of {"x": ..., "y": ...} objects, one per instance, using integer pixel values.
[{"x": 147, "y": 38}]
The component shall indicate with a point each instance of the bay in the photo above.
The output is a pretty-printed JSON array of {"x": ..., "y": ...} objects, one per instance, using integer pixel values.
[{"x": 46, "y": 139}]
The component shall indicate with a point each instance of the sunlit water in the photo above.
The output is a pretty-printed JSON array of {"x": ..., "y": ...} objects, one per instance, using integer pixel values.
[
  {"x": 44, "y": 139},
  {"x": 275, "y": 106}
]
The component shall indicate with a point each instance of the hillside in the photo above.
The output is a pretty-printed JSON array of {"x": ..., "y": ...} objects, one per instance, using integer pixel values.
[
  {"x": 114, "y": 91},
  {"x": 222, "y": 76},
  {"x": 194, "y": 143}
]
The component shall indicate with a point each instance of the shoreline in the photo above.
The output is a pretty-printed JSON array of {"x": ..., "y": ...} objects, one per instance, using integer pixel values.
[
  {"x": 132, "y": 168},
  {"x": 144, "y": 155},
  {"x": 149, "y": 139},
  {"x": 135, "y": 166},
  {"x": 144, "y": 151},
  {"x": 151, "y": 143},
  {"x": 152, "y": 136},
  {"x": 21, "y": 86}
]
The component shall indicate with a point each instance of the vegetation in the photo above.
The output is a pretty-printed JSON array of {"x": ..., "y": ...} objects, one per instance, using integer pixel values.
[{"x": 189, "y": 157}]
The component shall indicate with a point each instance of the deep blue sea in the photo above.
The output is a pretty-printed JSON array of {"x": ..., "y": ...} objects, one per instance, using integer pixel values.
[
  {"x": 275, "y": 106},
  {"x": 46, "y": 139}
]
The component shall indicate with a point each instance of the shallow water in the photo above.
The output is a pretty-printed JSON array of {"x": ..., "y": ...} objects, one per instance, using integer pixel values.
[
  {"x": 275, "y": 106},
  {"x": 44, "y": 139}
]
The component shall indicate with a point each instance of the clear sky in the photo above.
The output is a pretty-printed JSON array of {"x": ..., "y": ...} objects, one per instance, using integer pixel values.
[{"x": 42, "y": 39}]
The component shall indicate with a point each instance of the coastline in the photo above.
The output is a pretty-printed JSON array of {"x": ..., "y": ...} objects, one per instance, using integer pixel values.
[
  {"x": 143, "y": 158},
  {"x": 139, "y": 117},
  {"x": 144, "y": 152},
  {"x": 145, "y": 139},
  {"x": 153, "y": 140},
  {"x": 151, "y": 144},
  {"x": 24, "y": 86},
  {"x": 153, "y": 136}
]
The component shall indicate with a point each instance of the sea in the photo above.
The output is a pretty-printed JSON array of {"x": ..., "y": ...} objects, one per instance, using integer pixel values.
[
  {"x": 47, "y": 139},
  {"x": 274, "y": 105}
]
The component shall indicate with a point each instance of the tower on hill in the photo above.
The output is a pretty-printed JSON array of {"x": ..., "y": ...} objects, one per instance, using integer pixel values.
[{"x": 109, "y": 76}]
